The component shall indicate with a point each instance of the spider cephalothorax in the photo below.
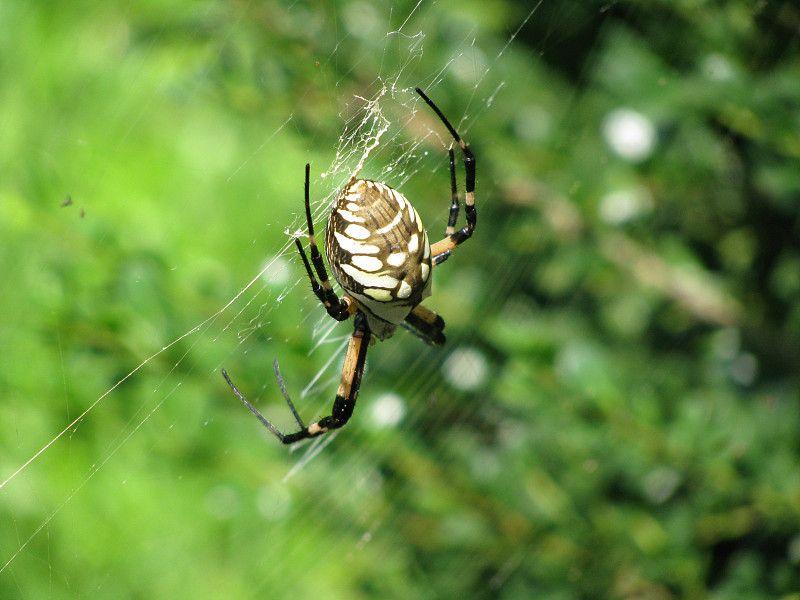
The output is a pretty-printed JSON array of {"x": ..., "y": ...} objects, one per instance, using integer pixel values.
[{"x": 380, "y": 255}]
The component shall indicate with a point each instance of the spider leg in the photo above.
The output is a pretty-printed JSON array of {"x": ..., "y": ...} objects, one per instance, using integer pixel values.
[
  {"x": 451, "y": 222},
  {"x": 339, "y": 309},
  {"x": 255, "y": 411},
  {"x": 441, "y": 249},
  {"x": 346, "y": 395},
  {"x": 454, "y": 208},
  {"x": 426, "y": 325}
]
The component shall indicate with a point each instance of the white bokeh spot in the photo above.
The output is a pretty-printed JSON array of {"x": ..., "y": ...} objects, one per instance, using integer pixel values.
[
  {"x": 624, "y": 205},
  {"x": 466, "y": 369},
  {"x": 278, "y": 271},
  {"x": 387, "y": 410},
  {"x": 630, "y": 134}
]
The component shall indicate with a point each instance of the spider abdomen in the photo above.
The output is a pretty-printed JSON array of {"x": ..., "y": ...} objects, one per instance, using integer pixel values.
[{"x": 379, "y": 252}]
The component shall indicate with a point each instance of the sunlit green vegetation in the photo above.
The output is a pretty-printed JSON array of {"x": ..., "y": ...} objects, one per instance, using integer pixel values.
[{"x": 616, "y": 412}]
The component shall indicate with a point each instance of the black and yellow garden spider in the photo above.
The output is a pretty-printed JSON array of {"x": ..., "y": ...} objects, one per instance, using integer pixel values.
[{"x": 379, "y": 253}]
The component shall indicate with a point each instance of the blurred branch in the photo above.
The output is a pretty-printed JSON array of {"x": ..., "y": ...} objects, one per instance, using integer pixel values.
[{"x": 691, "y": 289}]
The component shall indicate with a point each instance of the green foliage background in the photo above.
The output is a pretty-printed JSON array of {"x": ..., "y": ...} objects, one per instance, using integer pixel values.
[{"x": 636, "y": 435}]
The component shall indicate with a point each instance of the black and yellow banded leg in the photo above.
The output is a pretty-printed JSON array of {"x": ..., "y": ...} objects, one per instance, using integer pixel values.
[
  {"x": 441, "y": 249},
  {"x": 339, "y": 308},
  {"x": 438, "y": 259},
  {"x": 346, "y": 395},
  {"x": 426, "y": 325}
]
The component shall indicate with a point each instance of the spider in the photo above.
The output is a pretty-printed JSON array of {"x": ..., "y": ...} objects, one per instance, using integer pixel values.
[{"x": 380, "y": 255}]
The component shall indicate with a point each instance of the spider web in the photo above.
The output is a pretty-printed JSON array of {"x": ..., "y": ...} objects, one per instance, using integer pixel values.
[
  {"x": 607, "y": 419},
  {"x": 386, "y": 134}
]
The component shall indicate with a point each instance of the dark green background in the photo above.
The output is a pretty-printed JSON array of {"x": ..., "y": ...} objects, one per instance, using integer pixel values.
[{"x": 636, "y": 434}]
